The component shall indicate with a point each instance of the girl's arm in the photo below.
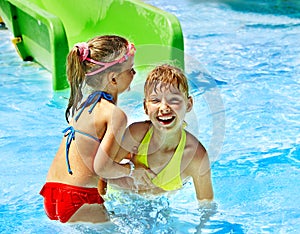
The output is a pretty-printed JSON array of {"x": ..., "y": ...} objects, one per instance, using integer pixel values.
[
  {"x": 104, "y": 162},
  {"x": 130, "y": 142}
]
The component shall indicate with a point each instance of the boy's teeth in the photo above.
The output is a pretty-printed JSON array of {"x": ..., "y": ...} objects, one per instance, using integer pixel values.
[{"x": 165, "y": 118}]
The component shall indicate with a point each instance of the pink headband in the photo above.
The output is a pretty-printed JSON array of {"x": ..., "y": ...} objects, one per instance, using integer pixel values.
[
  {"x": 130, "y": 52},
  {"x": 84, "y": 51}
]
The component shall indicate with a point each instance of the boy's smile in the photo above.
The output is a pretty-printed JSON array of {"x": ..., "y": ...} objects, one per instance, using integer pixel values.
[
  {"x": 165, "y": 120},
  {"x": 166, "y": 106}
]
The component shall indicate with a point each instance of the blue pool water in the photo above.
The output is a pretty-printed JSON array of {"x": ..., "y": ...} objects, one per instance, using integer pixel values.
[{"x": 248, "y": 116}]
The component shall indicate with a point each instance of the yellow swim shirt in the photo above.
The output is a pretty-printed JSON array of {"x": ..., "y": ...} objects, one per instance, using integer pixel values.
[{"x": 169, "y": 177}]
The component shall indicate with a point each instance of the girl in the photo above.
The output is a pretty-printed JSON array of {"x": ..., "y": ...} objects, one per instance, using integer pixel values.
[{"x": 98, "y": 71}]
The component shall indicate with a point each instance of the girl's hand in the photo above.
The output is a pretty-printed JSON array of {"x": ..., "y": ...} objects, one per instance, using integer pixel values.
[
  {"x": 142, "y": 179},
  {"x": 102, "y": 186}
]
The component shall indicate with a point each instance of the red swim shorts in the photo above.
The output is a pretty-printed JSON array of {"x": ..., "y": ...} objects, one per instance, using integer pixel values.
[{"x": 61, "y": 201}]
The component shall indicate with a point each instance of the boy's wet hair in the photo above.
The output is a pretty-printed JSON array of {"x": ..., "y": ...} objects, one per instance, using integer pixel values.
[{"x": 167, "y": 75}]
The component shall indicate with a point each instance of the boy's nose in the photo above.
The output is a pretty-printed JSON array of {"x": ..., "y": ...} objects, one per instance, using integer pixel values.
[{"x": 164, "y": 107}]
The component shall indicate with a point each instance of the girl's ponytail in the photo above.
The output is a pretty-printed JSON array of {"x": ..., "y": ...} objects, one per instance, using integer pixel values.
[{"x": 76, "y": 75}]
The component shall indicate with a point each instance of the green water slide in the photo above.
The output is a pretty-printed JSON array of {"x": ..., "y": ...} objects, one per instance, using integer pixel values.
[{"x": 45, "y": 30}]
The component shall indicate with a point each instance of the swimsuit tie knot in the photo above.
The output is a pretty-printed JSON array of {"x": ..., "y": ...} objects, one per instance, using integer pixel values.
[{"x": 69, "y": 132}]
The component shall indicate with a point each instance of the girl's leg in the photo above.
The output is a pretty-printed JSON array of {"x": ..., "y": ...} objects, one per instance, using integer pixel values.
[{"x": 93, "y": 213}]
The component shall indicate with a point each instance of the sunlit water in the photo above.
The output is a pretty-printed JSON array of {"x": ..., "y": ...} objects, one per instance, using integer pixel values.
[{"x": 248, "y": 117}]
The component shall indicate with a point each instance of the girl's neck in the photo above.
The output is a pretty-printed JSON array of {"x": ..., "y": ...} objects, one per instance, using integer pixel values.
[
  {"x": 87, "y": 90},
  {"x": 115, "y": 96}
]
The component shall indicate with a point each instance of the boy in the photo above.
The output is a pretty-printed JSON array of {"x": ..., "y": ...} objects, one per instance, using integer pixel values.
[{"x": 162, "y": 144}]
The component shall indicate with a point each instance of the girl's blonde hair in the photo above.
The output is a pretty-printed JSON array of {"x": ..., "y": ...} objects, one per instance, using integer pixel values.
[
  {"x": 101, "y": 48},
  {"x": 168, "y": 76}
]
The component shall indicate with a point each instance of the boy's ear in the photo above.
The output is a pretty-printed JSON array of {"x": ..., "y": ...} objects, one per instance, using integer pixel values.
[
  {"x": 190, "y": 104},
  {"x": 145, "y": 107}
]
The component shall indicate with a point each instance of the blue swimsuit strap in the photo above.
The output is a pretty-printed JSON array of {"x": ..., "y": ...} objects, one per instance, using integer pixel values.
[
  {"x": 69, "y": 132},
  {"x": 94, "y": 98}
]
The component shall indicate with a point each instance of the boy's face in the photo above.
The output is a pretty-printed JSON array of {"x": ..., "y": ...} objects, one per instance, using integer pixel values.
[{"x": 166, "y": 106}]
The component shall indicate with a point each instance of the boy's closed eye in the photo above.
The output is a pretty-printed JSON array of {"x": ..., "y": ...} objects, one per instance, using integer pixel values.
[
  {"x": 154, "y": 100},
  {"x": 174, "y": 101}
]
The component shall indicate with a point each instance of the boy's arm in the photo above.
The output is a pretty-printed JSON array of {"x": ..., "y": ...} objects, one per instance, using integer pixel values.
[
  {"x": 203, "y": 186},
  {"x": 199, "y": 169}
]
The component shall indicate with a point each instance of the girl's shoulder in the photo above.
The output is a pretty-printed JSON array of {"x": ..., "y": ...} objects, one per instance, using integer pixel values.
[
  {"x": 108, "y": 108},
  {"x": 106, "y": 113}
]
